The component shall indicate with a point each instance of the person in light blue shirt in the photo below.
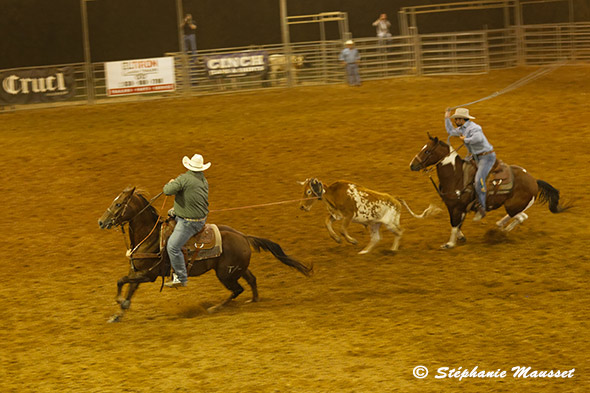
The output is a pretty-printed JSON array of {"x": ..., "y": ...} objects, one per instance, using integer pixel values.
[
  {"x": 350, "y": 58},
  {"x": 478, "y": 146}
]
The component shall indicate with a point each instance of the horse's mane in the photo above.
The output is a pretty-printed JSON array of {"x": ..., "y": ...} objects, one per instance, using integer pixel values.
[{"x": 144, "y": 196}]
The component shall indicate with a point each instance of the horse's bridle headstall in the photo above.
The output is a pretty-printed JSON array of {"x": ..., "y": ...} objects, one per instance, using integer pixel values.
[{"x": 117, "y": 215}]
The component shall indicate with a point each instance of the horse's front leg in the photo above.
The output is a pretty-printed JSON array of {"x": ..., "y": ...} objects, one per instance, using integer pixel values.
[
  {"x": 125, "y": 302},
  {"x": 457, "y": 215},
  {"x": 120, "y": 283}
]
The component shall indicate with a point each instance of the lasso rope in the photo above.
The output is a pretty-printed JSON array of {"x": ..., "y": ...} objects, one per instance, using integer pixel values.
[
  {"x": 519, "y": 83},
  {"x": 261, "y": 205}
]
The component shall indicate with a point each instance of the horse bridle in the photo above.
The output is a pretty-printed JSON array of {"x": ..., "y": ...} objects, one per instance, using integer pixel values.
[
  {"x": 116, "y": 217},
  {"x": 429, "y": 171}
]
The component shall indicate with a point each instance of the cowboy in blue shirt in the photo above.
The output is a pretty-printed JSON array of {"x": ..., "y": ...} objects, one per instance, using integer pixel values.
[
  {"x": 350, "y": 57},
  {"x": 483, "y": 153}
]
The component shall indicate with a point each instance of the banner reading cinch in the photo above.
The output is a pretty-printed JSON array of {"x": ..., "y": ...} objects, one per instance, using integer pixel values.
[
  {"x": 236, "y": 64},
  {"x": 140, "y": 76}
]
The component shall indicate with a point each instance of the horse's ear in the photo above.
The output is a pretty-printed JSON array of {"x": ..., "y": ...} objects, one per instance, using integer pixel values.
[{"x": 429, "y": 136}]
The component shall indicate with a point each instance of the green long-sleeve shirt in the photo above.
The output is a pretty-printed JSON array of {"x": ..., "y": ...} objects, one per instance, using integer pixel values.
[{"x": 191, "y": 192}]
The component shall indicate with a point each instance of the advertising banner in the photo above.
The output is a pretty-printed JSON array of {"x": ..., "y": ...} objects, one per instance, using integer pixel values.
[
  {"x": 140, "y": 76},
  {"x": 33, "y": 86},
  {"x": 236, "y": 64}
]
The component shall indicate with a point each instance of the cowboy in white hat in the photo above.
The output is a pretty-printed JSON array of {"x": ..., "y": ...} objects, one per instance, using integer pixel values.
[
  {"x": 476, "y": 142},
  {"x": 350, "y": 58},
  {"x": 191, "y": 207}
]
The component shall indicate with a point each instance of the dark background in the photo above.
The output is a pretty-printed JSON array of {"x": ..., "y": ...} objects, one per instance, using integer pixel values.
[{"x": 47, "y": 32}]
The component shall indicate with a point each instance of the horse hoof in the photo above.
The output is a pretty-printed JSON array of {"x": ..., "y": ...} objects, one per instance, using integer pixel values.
[
  {"x": 462, "y": 240},
  {"x": 447, "y": 246},
  {"x": 125, "y": 304},
  {"x": 114, "y": 318},
  {"x": 363, "y": 252}
]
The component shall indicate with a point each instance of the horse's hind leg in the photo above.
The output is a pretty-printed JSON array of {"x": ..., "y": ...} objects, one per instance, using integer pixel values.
[
  {"x": 503, "y": 221},
  {"x": 251, "y": 280},
  {"x": 236, "y": 290},
  {"x": 520, "y": 217}
]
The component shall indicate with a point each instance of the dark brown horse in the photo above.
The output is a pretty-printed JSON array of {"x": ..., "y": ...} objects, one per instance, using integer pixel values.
[
  {"x": 457, "y": 191},
  {"x": 148, "y": 263}
]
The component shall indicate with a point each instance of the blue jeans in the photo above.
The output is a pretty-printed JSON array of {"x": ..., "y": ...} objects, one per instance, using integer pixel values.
[
  {"x": 352, "y": 74},
  {"x": 190, "y": 40},
  {"x": 182, "y": 232},
  {"x": 484, "y": 165}
]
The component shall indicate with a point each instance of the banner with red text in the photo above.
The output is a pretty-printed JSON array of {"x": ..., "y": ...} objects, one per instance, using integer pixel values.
[{"x": 140, "y": 76}]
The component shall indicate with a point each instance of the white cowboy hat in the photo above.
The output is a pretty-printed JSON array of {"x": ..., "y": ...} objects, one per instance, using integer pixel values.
[
  {"x": 349, "y": 42},
  {"x": 462, "y": 113},
  {"x": 195, "y": 164}
]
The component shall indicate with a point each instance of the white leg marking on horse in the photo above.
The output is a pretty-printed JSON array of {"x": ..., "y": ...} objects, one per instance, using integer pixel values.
[
  {"x": 453, "y": 239},
  {"x": 500, "y": 223},
  {"x": 520, "y": 217}
]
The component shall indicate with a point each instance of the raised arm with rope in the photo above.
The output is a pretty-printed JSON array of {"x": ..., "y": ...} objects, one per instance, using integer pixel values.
[{"x": 481, "y": 151}]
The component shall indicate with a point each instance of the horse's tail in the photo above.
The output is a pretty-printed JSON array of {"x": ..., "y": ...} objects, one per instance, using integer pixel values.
[
  {"x": 259, "y": 243},
  {"x": 429, "y": 211},
  {"x": 549, "y": 194}
]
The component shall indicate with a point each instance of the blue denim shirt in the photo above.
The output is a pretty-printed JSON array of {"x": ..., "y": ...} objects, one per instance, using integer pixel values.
[
  {"x": 475, "y": 141},
  {"x": 349, "y": 56}
]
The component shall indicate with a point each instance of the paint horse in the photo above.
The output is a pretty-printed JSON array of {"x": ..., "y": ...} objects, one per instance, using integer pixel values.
[{"x": 509, "y": 186}]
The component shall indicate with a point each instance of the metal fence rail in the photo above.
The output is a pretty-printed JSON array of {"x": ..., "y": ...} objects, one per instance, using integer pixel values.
[{"x": 428, "y": 54}]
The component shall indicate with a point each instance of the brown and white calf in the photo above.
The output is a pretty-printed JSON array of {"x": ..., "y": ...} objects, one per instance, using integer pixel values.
[{"x": 350, "y": 202}]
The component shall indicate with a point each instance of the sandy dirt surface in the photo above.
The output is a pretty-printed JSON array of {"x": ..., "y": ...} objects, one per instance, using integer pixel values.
[{"x": 362, "y": 322}]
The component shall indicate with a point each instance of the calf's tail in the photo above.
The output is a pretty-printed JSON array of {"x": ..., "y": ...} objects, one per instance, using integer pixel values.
[{"x": 429, "y": 211}]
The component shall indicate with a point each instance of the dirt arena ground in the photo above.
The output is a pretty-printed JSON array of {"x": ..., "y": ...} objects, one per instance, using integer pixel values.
[{"x": 361, "y": 323}]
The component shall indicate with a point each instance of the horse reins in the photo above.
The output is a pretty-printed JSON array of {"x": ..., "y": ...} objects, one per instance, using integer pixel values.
[{"x": 131, "y": 252}]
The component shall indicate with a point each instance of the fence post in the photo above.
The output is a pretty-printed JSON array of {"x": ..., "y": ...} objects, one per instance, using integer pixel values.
[
  {"x": 87, "y": 61},
  {"x": 415, "y": 39},
  {"x": 286, "y": 42}
]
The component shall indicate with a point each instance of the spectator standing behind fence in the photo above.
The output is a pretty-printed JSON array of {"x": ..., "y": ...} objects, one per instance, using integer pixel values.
[
  {"x": 189, "y": 29},
  {"x": 382, "y": 25},
  {"x": 350, "y": 58}
]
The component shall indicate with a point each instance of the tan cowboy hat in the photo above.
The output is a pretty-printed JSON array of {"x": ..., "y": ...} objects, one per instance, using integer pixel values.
[
  {"x": 462, "y": 113},
  {"x": 195, "y": 164},
  {"x": 350, "y": 42}
]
